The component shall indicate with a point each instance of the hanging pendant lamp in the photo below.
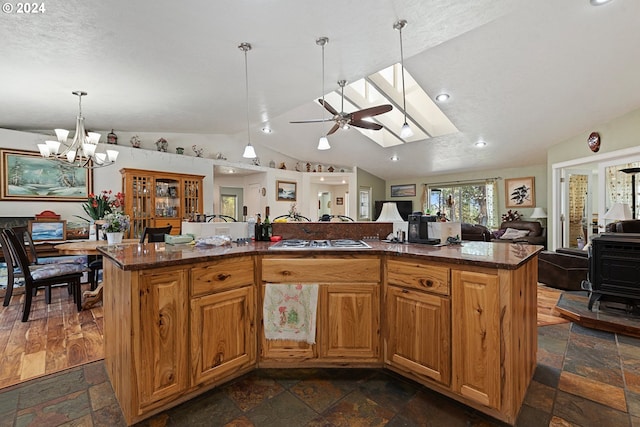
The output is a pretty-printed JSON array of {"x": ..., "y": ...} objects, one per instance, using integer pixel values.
[
  {"x": 323, "y": 142},
  {"x": 249, "y": 151},
  {"x": 406, "y": 131}
]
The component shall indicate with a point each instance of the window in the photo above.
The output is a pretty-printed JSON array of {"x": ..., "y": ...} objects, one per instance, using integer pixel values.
[
  {"x": 473, "y": 202},
  {"x": 385, "y": 87},
  {"x": 229, "y": 205}
]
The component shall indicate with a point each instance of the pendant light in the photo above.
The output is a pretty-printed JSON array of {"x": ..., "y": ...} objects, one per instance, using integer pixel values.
[
  {"x": 323, "y": 143},
  {"x": 249, "y": 151},
  {"x": 406, "y": 131}
]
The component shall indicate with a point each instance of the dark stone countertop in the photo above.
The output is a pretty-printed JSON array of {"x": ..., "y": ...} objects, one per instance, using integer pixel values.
[{"x": 486, "y": 254}]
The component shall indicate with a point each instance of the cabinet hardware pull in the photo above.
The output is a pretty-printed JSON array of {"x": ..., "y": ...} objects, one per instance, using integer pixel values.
[{"x": 404, "y": 291}]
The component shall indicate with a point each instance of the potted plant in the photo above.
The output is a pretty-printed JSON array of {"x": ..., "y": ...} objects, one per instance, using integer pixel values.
[{"x": 115, "y": 224}]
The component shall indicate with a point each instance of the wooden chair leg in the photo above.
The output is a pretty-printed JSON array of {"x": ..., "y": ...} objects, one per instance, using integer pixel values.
[
  {"x": 28, "y": 296},
  {"x": 77, "y": 288},
  {"x": 9, "y": 292}
]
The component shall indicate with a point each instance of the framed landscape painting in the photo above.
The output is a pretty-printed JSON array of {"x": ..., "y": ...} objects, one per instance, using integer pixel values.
[
  {"x": 26, "y": 175},
  {"x": 520, "y": 192},
  {"x": 48, "y": 230},
  {"x": 286, "y": 191},
  {"x": 406, "y": 190}
]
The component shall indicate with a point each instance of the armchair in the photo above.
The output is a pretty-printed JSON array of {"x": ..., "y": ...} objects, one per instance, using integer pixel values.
[{"x": 565, "y": 268}]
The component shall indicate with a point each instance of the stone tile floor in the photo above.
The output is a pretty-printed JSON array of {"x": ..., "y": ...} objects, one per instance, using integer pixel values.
[{"x": 584, "y": 378}]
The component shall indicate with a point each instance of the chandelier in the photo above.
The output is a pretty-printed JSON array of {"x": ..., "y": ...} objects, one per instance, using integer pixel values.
[{"x": 81, "y": 152}]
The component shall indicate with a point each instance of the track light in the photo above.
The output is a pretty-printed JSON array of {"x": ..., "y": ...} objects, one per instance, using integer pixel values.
[
  {"x": 406, "y": 131},
  {"x": 249, "y": 151}
]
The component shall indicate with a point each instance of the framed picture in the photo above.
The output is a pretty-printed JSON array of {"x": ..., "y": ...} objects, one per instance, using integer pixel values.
[
  {"x": 339, "y": 201},
  {"x": 48, "y": 230},
  {"x": 286, "y": 191},
  {"x": 28, "y": 176},
  {"x": 406, "y": 190},
  {"x": 520, "y": 192}
]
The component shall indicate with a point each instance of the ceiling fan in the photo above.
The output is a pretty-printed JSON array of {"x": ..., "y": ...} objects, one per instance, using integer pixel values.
[{"x": 356, "y": 119}]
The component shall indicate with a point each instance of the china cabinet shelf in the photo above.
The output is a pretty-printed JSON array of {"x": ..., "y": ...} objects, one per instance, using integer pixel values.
[{"x": 157, "y": 199}]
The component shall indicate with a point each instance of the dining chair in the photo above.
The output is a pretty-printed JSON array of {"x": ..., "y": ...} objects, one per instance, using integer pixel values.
[
  {"x": 45, "y": 276},
  {"x": 154, "y": 234}
]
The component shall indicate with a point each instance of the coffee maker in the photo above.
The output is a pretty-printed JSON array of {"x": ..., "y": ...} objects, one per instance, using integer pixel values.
[{"x": 419, "y": 230}]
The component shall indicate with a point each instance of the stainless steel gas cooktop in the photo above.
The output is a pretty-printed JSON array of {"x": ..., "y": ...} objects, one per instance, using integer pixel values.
[{"x": 290, "y": 244}]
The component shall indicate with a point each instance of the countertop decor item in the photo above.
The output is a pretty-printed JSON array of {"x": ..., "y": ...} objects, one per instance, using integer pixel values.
[{"x": 179, "y": 150}]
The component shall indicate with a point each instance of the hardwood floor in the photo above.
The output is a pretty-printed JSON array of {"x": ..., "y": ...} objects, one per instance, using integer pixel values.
[
  {"x": 547, "y": 312},
  {"x": 55, "y": 338},
  {"x": 58, "y": 337}
]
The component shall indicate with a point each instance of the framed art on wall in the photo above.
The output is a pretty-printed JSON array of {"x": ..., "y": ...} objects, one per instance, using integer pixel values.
[
  {"x": 28, "y": 176},
  {"x": 286, "y": 191},
  {"x": 406, "y": 190},
  {"x": 520, "y": 192}
]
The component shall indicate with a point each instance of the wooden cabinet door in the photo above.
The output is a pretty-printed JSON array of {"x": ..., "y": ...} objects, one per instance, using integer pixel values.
[
  {"x": 419, "y": 333},
  {"x": 223, "y": 334},
  {"x": 161, "y": 358},
  {"x": 349, "y": 322},
  {"x": 476, "y": 336}
]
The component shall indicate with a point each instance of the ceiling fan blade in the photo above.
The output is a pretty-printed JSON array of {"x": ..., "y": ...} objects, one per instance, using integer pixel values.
[
  {"x": 365, "y": 125},
  {"x": 333, "y": 129},
  {"x": 370, "y": 112},
  {"x": 313, "y": 120},
  {"x": 329, "y": 108}
]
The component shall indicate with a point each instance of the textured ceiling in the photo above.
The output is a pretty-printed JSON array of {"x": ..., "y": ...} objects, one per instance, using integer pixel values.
[{"x": 523, "y": 75}]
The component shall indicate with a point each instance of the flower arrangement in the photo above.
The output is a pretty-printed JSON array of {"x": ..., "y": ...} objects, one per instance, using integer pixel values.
[
  {"x": 97, "y": 206},
  {"x": 511, "y": 216},
  {"x": 116, "y": 222},
  {"x": 293, "y": 211}
]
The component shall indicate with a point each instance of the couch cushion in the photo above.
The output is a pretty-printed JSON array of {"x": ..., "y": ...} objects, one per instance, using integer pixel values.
[
  {"x": 534, "y": 227},
  {"x": 512, "y": 233}
]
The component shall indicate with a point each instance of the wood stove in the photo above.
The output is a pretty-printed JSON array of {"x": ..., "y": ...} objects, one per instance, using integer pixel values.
[{"x": 614, "y": 268}]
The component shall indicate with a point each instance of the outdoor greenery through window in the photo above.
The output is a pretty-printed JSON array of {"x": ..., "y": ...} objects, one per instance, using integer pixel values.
[
  {"x": 474, "y": 202},
  {"x": 229, "y": 205}
]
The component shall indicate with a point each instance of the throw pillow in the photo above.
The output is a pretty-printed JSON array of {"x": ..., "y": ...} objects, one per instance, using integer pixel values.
[
  {"x": 498, "y": 233},
  {"x": 513, "y": 233}
]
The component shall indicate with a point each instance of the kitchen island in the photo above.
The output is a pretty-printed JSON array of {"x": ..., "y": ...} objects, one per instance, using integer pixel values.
[{"x": 460, "y": 319}]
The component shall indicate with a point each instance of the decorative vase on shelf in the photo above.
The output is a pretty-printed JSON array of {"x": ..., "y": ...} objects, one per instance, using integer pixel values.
[{"x": 114, "y": 238}]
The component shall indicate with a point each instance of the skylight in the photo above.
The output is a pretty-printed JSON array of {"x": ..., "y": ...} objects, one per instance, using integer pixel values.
[{"x": 385, "y": 87}]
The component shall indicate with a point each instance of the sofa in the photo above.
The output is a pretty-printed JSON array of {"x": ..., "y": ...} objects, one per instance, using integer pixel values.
[
  {"x": 530, "y": 232},
  {"x": 474, "y": 232}
]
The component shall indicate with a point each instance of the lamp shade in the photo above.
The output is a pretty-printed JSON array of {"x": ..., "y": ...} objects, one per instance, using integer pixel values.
[
  {"x": 389, "y": 213},
  {"x": 539, "y": 213},
  {"x": 619, "y": 211}
]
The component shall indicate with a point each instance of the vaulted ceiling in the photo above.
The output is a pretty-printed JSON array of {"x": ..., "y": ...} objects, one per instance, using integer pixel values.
[{"x": 523, "y": 75}]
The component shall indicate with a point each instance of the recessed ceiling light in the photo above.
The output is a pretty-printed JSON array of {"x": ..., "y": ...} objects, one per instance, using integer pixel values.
[
  {"x": 598, "y": 2},
  {"x": 442, "y": 97},
  {"x": 394, "y": 158},
  {"x": 481, "y": 144},
  {"x": 266, "y": 129}
]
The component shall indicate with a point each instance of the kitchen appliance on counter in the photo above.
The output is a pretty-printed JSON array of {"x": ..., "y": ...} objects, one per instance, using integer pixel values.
[
  {"x": 419, "y": 228},
  {"x": 290, "y": 244}
]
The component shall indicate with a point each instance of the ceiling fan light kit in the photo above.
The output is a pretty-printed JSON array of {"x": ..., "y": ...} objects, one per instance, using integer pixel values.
[
  {"x": 249, "y": 151},
  {"x": 406, "y": 131}
]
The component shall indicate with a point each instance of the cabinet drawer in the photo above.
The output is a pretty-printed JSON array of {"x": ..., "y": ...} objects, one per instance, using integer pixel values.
[
  {"x": 419, "y": 275},
  {"x": 174, "y": 223},
  {"x": 321, "y": 270},
  {"x": 221, "y": 275}
]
